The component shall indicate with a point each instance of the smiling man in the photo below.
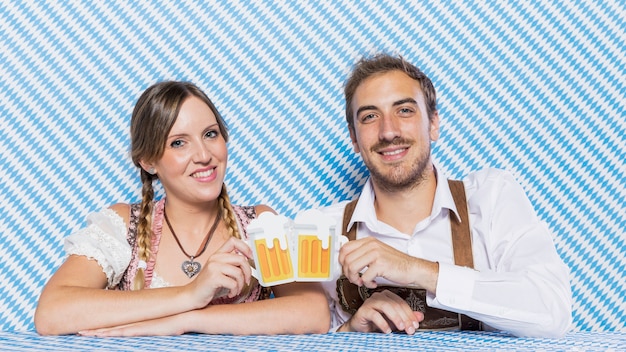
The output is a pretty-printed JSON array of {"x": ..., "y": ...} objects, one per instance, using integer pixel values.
[{"x": 426, "y": 252}]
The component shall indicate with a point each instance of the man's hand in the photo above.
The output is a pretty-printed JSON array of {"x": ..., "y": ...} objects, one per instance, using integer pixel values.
[
  {"x": 366, "y": 259},
  {"x": 385, "y": 312}
]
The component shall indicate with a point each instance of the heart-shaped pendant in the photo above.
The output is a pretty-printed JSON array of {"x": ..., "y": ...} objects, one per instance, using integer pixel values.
[{"x": 191, "y": 268}]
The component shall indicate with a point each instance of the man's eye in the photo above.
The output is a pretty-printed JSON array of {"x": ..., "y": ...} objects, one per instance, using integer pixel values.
[{"x": 367, "y": 117}]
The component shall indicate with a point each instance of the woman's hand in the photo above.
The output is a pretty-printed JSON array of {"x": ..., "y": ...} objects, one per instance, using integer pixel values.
[
  {"x": 172, "y": 325},
  {"x": 226, "y": 273}
]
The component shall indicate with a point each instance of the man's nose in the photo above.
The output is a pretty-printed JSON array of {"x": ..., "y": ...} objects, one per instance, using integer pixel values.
[{"x": 389, "y": 128}]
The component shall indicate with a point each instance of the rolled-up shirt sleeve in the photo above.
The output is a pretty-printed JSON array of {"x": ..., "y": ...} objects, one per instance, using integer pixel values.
[
  {"x": 103, "y": 240},
  {"x": 521, "y": 285}
]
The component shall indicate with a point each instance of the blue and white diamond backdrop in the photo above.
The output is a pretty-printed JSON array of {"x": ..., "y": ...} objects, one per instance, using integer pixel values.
[{"x": 536, "y": 88}]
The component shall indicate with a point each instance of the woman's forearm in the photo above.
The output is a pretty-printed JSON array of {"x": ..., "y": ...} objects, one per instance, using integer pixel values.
[
  {"x": 302, "y": 313},
  {"x": 75, "y": 299},
  {"x": 68, "y": 310}
]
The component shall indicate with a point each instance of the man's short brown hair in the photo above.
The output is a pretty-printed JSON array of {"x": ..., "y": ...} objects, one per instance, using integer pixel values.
[{"x": 380, "y": 63}]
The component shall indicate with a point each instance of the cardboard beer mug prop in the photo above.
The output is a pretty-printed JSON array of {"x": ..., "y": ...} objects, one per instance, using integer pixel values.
[
  {"x": 267, "y": 236},
  {"x": 317, "y": 246},
  {"x": 305, "y": 249}
]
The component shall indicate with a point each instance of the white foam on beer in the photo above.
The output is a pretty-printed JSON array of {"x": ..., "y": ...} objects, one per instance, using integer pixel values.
[
  {"x": 323, "y": 223},
  {"x": 269, "y": 226}
]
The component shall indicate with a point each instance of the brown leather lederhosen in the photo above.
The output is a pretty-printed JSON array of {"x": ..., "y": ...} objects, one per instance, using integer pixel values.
[{"x": 352, "y": 297}]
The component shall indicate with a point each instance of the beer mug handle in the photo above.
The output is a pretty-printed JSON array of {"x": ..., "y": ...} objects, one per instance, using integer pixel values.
[
  {"x": 337, "y": 271},
  {"x": 257, "y": 276},
  {"x": 253, "y": 270}
]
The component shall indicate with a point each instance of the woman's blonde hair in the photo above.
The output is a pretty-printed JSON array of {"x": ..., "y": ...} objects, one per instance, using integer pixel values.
[{"x": 153, "y": 117}]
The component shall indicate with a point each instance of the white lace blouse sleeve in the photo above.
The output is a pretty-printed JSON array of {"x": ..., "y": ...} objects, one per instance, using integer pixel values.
[{"x": 104, "y": 240}]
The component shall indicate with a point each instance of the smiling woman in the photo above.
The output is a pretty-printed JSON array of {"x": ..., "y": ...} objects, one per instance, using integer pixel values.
[
  {"x": 127, "y": 274},
  {"x": 193, "y": 164}
]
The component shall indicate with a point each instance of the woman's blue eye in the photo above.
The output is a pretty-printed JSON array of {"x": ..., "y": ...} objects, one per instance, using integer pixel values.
[
  {"x": 212, "y": 134},
  {"x": 177, "y": 143}
]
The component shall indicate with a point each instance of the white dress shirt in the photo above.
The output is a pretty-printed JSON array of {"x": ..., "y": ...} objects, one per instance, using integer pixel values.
[{"x": 519, "y": 283}]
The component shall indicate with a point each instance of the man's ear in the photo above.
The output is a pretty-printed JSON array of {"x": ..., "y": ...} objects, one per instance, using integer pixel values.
[
  {"x": 434, "y": 127},
  {"x": 355, "y": 146}
]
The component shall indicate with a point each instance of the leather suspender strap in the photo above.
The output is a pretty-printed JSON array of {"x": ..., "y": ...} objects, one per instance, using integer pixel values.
[
  {"x": 461, "y": 236},
  {"x": 462, "y": 242},
  {"x": 347, "y": 214}
]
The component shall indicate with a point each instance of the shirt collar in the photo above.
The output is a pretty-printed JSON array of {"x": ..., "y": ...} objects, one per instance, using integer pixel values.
[
  {"x": 364, "y": 209},
  {"x": 365, "y": 212},
  {"x": 443, "y": 196}
]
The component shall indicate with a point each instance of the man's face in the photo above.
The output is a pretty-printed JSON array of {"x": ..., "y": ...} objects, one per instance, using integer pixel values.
[{"x": 392, "y": 131}]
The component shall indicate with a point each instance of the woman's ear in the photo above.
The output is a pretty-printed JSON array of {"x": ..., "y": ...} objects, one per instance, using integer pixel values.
[{"x": 148, "y": 167}]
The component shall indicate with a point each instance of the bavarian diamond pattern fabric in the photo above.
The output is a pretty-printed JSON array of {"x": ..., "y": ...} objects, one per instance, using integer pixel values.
[
  {"x": 428, "y": 341},
  {"x": 533, "y": 87}
]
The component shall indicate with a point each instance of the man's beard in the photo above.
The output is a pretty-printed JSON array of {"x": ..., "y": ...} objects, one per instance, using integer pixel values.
[{"x": 399, "y": 178}]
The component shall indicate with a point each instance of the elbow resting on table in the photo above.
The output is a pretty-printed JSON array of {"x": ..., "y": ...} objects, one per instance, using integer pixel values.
[
  {"x": 44, "y": 325},
  {"x": 556, "y": 327},
  {"x": 554, "y": 332},
  {"x": 319, "y": 319},
  {"x": 52, "y": 317},
  {"x": 560, "y": 326}
]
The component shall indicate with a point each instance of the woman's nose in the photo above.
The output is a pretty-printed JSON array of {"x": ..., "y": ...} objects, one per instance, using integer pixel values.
[{"x": 202, "y": 153}]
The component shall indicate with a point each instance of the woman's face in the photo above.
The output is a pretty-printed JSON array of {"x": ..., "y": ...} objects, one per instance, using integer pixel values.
[{"x": 193, "y": 165}]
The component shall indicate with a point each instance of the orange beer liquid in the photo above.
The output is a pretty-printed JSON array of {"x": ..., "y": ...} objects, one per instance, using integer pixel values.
[
  {"x": 275, "y": 263},
  {"x": 313, "y": 260}
]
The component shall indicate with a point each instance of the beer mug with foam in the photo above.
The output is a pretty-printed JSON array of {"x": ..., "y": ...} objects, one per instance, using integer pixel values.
[
  {"x": 268, "y": 236},
  {"x": 305, "y": 249},
  {"x": 317, "y": 246}
]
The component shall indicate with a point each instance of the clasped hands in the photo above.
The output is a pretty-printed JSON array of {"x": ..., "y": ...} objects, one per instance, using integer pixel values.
[{"x": 366, "y": 259}]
